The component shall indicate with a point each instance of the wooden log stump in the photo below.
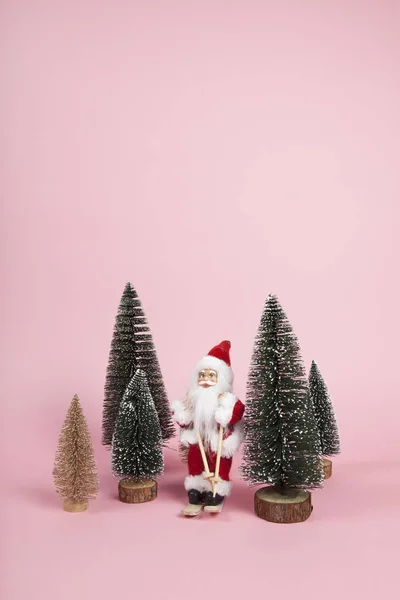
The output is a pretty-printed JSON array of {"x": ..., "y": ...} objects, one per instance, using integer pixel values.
[
  {"x": 292, "y": 507},
  {"x": 70, "y": 506},
  {"x": 327, "y": 464},
  {"x": 134, "y": 492}
]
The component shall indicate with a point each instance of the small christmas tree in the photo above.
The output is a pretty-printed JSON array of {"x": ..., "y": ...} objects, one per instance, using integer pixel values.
[
  {"x": 132, "y": 348},
  {"x": 137, "y": 455},
  {"x": 325, "y": 416},
  {"x": 75, "y": 473},
  {"x": 281, "y": 436}
]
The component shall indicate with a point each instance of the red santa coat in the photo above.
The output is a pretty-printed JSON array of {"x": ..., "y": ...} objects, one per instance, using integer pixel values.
[{"x": 229, "y": 414}]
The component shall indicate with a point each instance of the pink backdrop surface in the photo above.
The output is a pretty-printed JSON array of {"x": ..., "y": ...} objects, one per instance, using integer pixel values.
[{"x": 212, "y": 153}]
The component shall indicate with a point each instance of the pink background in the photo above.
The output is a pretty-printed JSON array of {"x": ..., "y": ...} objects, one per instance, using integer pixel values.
[{"x": 211, "y": 152}]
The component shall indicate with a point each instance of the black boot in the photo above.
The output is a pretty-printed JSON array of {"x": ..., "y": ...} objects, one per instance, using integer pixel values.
[
  {"x": 213, "y": 500},
  {"x": 195, "y": 497}
]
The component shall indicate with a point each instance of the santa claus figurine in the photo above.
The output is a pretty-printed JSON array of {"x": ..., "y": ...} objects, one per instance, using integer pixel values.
[{"x": 210, "y": 419}]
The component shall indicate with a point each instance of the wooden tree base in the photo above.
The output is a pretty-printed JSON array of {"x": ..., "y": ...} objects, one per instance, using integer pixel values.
[
  {"x": 70, "y": 506},
  {"x": 134, "y": 492},
  {"x": 327, "y": 467},
  {"x": 293, "y": 507}
]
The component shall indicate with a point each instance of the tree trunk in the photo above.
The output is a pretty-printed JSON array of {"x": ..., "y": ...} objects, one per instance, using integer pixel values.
[
  {"x": 292, "y": 507},
  {"x": 70, "y": 506},
  {"x": 327, "y": 467},
  {"x": 134, "y": 492}
]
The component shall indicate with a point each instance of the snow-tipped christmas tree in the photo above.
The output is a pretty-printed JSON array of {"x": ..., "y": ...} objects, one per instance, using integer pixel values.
[
  {"x": 137, "y": 440},
  {"x": 75, "y": 471},
  {"x": 281, "y": 435},
  {"x": 324, "y": 412},
  {"x": 132, "y": 348}
]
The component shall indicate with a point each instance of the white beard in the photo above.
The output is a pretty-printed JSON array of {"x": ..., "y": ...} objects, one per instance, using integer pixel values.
[{"x": 205, "y": 402}]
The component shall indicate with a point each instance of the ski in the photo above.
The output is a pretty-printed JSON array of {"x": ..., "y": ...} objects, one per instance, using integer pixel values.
[
  {"x": 214, "y": 509},
  {"x": 192, "y": 510}
]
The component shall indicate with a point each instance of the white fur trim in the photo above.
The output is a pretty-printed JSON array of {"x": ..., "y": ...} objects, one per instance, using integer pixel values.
[
  {"x": 225, "y": 373},
  {"x": 224, "y": 488},
  {"x": 206, "y": 484},
  {"x": 223, "y": 414},
  {"x": 180, "y": 414},
  {"x": 188, "y": 436},
  {"x": 194, "y": 482},
  {"x": 232, "y": 443}
]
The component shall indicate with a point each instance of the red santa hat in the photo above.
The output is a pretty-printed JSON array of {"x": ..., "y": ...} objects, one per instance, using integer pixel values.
[
  {"x": 222, "y": 352},
  {"x": 219, "y": 360}
]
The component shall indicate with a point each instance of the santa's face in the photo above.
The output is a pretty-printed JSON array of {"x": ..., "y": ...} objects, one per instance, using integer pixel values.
[
  {"x": 204, "y": 398},
  {"x": 207, "y": 378}
]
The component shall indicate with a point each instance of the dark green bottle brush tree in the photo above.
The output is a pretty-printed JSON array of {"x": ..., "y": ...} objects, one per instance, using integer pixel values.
[
  {"x": 132, "y": 348},
  {"x": 325, "y": 416},
  {"x": 136, "y": 451},
  {"x": 282, "y": 446}
]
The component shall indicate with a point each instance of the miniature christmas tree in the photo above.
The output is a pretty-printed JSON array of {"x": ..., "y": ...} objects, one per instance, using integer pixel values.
[
  {"x": 132, "y": 348},
  {"x": 281, "y": 435},
  {"x": 325, "y": 416},
  {"x": 75, "y": 473},
  {"x": 137, "y": 455}
]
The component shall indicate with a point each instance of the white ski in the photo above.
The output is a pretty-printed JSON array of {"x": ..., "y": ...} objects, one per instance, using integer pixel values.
[
  {"x": 192, "y": 510},
  {"x": 214, "y": 509}
]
